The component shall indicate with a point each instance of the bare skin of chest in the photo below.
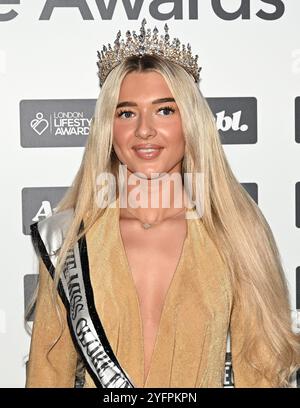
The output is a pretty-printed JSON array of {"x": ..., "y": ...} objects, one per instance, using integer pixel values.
[{"x": 153, "y": 256}]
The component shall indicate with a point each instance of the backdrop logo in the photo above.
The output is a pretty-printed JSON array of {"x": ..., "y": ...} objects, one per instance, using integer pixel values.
[
  {"x": 236, "y": 119},
  {"x": 38, "y": 203},
  {"x": 135, "y": 9},
  {"x": 39, "y": 124},
  {"x": 55, "y": 123},
  {"x": 297, "y": 119}
]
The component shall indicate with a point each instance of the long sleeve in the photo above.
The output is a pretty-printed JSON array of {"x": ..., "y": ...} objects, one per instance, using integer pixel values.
[
  {"x": 244, "y": 375},
  {"x": 59, "y": 369}
]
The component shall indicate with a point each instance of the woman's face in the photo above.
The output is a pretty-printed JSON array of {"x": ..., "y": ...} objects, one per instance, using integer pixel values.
[{"x": 147, "y": 114}]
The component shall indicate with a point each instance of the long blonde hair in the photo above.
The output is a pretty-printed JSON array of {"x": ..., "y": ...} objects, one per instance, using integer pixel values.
[{"x": 231, "y": 217}]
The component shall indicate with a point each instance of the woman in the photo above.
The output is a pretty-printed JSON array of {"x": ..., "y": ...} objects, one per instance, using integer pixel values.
[{"x": 147, "y": 293}]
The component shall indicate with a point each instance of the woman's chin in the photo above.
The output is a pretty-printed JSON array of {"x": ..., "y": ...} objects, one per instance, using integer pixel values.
[{"x": 145, "y": 172}]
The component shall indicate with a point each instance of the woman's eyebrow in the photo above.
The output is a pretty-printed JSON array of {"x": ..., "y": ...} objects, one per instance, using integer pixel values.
[{"x": 130, "y": 103}]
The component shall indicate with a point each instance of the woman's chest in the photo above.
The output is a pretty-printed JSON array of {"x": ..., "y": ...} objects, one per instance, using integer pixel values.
[{"x": 152, "y": 260}]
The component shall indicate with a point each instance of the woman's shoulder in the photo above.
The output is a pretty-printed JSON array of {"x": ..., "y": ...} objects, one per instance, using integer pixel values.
[
  {"x": 52, "y": 229},
  {"x": 56, "y": 219}
]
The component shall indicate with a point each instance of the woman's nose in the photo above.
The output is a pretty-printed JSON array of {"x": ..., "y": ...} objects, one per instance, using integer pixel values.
[{"x": 145, "y": 126}]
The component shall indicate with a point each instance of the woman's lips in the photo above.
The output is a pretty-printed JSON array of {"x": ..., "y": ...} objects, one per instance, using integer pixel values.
[{"x": 148, "y": 153}]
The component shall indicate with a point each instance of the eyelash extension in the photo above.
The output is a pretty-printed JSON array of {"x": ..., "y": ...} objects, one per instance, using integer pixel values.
[{"x": 162, "y": 108}]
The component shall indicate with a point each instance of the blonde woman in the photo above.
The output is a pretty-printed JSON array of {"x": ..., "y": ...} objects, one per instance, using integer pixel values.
[{"x": 135, "y": 295}]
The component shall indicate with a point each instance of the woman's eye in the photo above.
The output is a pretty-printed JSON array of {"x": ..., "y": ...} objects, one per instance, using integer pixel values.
[
  {"x": 122, "y": 112},
  {"x": 168, "y": 109}
]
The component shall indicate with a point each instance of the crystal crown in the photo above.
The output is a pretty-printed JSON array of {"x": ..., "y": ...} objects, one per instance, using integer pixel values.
[{"x": 150, "y": 43}]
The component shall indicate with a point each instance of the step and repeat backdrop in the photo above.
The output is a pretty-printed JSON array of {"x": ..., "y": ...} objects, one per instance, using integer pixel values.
[{"x": 250, "y": 57}]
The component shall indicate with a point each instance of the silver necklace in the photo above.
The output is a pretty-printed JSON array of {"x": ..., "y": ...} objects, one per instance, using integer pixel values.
[{"x": 147, "y": 225}]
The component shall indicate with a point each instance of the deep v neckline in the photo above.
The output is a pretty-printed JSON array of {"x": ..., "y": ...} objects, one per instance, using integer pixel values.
[{"x": 175, "y": 275}]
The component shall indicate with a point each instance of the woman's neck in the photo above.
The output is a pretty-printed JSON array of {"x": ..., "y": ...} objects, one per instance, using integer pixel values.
[{"x": 153, "y": 200}]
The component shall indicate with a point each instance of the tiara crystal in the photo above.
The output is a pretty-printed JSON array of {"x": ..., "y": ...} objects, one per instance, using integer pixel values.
[{"x": 150, "y": 43}]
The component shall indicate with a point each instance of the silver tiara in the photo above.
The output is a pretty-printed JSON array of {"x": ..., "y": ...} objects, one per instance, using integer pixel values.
[{"x": 147, "y": 43}]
